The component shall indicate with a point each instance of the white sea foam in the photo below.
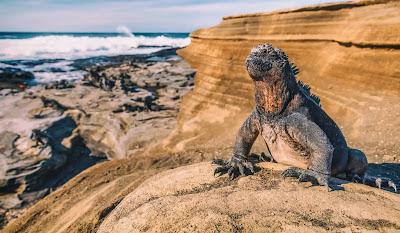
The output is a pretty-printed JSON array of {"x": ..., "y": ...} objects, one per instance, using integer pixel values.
[
  {"x": 2, "y": 65},
  {"x": 72, "y": 47},
  {"x": 45, "y": 77},
  {"x": 55, "y": 71},
  {"x": 61, "y": 65}
]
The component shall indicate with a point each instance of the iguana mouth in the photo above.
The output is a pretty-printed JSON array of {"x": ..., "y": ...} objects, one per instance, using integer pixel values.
[
  {"x": 257, "y": 67},
  {"x": 264, "y": 60}
]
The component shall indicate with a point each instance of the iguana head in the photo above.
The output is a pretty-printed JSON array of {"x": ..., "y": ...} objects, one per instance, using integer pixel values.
[
  {"x": 273, "y": 76},
  {"x": 266, "y": 63}
]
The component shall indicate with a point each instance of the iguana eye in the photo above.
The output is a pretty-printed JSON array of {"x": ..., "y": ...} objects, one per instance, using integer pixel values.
[
  {"x": 274, "y": 56},
  {"x": 267, "y": 66}
]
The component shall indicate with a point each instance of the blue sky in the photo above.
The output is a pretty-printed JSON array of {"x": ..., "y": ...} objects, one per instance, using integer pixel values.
[{"x": 138, "y": 15}]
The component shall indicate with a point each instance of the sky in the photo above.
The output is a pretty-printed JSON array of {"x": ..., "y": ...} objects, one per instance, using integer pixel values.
[{"x": 138, "y": 15}]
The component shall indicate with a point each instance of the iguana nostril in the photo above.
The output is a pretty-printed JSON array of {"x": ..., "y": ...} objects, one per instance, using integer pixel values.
[{"x": 268, "y": 66}]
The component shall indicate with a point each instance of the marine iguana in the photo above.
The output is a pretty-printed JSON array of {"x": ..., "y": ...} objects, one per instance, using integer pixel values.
[{"x": 296, "y": 129}]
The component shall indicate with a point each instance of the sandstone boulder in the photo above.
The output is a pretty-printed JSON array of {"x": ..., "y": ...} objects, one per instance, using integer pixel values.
[{"x": 191, "y": 199}]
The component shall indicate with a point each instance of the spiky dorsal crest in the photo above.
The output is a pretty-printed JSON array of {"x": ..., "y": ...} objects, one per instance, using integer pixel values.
[
  {"x": 306, "y": 89},
  {"x": 295, "y": 70}
]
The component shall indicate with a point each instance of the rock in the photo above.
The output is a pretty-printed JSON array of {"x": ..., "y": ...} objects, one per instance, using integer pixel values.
[
  {"x": 53, "y": 132},
  {"x": 5, "y": 92},
  {"x": 13, "y": 78},
  {"x": 30, "y": 159},
  {"x": 191, "y": 199},
  {"x": 62, "y": 84},
  {"x": 33, "y": 160},
  {"x": 141, "y": 84},
  {"x": 7, "y": 143},
  {"x": 33, "y": 166},
  {"x": 130, "y": 107},
  {"x": 38, "y": 113},
  {"x": 159, "y": 67}
]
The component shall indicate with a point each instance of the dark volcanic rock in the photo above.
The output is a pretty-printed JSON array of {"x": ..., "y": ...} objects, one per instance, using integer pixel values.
[
  {"x": 86, "y": 63},
  {"x": 13, "y": 78},
  {"x": 62, "y": 84},
  {"x": 31, "y": 63}
]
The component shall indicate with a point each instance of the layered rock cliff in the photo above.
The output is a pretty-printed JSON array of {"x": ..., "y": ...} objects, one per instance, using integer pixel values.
[{"x": 349, "y": 53}]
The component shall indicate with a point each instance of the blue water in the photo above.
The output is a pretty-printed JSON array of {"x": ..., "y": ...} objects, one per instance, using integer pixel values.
[
  {"x": 49, "y": 55},
  {"x": 28, "y": 35}
]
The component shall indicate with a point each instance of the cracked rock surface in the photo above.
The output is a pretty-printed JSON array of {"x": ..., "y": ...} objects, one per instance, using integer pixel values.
[{"x": 51, "y": 133}]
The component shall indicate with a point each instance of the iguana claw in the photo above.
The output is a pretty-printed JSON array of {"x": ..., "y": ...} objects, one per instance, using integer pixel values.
[
  {"x": 234, "y": 167},
  {"x": 266, "y": 158},
  {"x": 380, "y": 182},
  {"x": 308, "y": 175},
  {"x": 219, "y": 162},
  {"x": 392, "y": 185},
  {"x": 355, "y": 178}
]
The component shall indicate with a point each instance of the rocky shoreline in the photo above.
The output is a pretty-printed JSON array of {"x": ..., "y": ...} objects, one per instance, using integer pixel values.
[{"x": 50, "y": 133}]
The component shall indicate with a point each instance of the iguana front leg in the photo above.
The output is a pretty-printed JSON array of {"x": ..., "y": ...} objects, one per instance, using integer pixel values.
[
  {"x": 311, "y": 141},
  {"x": 239, "y": 164}
]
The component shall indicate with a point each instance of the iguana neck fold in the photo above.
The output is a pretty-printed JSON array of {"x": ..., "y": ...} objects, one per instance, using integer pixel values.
[{"x": 272, "y": 98}]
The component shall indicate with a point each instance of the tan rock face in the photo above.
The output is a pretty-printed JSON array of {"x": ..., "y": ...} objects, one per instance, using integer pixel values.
[
  {"x": 348, "y": 53},
  {"x": 190, "y": 199}
]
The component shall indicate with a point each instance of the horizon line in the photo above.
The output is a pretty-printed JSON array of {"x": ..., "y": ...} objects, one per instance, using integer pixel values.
[{"x": 83, "y": 32}]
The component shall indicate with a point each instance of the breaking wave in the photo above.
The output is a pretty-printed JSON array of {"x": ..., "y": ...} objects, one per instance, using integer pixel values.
[{"x": 73, "y": 47}]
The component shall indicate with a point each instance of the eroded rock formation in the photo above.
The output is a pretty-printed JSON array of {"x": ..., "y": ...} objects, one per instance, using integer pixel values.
[{"x": 50, "y": 134}]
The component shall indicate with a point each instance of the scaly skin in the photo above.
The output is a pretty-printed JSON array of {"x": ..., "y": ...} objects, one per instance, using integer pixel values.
[{"x": 296, "y": 130}]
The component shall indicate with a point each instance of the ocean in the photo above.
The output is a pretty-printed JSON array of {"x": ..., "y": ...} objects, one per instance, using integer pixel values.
[{"x": 49, "y": 56}]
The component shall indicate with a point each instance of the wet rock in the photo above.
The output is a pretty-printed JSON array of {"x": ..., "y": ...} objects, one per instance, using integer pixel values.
[
  {"x": 62, "y": 84},
  {"x": 13, "y": 78}
]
